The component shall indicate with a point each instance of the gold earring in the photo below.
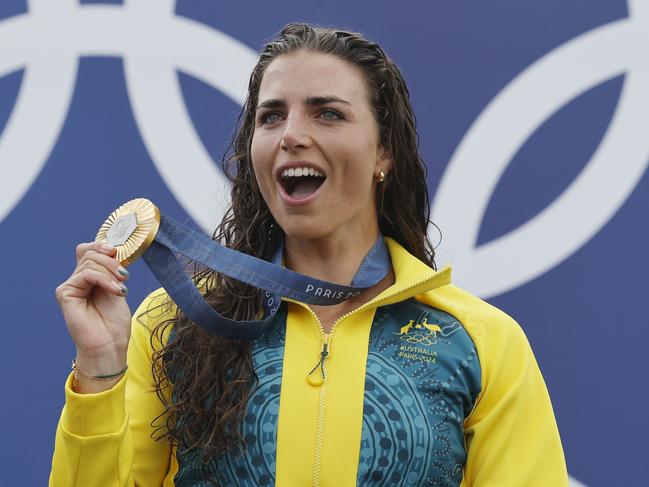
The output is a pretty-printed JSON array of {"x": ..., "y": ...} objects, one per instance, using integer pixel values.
[{"x": 381, "y": 177}]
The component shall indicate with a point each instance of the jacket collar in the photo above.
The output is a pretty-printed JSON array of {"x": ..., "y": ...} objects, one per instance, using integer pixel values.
[{"x": 412, "y": 276}]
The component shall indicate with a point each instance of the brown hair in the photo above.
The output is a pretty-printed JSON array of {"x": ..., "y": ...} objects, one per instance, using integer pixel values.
[{"x": 212, "y": 377}]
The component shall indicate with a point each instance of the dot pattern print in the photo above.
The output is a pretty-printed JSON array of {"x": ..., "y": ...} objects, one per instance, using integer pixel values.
[
  {"x": 422, "y": 380},
  {"x": 255, "y": 466}
]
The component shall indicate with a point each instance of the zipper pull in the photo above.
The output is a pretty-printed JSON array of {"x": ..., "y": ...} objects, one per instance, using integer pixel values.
[{"x": 316, "y": 379}]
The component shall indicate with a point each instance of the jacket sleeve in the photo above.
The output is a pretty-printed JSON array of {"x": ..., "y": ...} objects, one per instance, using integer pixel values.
[
  {"x": 511, "y": 435},
  {"x": 104, "y": 439}
]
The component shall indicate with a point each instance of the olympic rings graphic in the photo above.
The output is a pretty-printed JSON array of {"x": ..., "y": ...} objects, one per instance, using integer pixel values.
[
  {"x": 172, "y": 43},
  {"x": 488, "y": 147},
  {"x": 420, "y": 338}
]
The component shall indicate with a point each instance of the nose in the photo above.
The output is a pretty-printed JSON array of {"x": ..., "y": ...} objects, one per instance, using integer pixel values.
[{"x": 296, "y": 134}]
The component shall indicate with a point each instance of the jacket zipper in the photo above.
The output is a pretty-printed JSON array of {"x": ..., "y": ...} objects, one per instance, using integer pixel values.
[{"x": 325, "y": 353}]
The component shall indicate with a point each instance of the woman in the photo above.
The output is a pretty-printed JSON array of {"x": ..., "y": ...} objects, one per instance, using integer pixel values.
[{"x": 412, "y": 382}]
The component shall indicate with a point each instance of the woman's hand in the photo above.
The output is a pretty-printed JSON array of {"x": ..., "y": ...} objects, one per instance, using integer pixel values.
[{"x": 96, "y": 313}]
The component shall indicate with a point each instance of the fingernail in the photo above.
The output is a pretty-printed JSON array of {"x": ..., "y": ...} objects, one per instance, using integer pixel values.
[
  {"x": 120, "y": 287},
  {"x": 122, "y": 271},
  {"x": 108, "y": 248}
]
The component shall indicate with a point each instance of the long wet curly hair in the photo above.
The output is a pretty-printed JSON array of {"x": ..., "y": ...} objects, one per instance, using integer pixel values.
[{"x": 204, "y": 381}]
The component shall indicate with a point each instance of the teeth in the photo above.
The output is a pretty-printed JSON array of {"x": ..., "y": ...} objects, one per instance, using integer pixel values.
[{"x": 301, "y": 171}]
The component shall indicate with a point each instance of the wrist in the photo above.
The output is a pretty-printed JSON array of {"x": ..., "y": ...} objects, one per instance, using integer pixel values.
[
  {"x": 95, "y": 376},
  {"x": 105, "y": 363},
  {"x": 83, "y": 385},
  {"x": 104, "y": 376},
  {"x": 104, "y": 356}
]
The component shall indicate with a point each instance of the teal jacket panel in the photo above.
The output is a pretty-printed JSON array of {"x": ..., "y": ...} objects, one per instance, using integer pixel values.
[{"x": 422, "y": 379}]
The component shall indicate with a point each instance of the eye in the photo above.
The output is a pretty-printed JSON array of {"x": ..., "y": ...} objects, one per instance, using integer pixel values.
[
  {"x": 270, "y": 117},
  {"x": 331, "y": 114}
]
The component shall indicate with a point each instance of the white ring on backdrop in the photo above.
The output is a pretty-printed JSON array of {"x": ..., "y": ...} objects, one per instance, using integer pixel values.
[
  {"x": 174, "y": 44},
  {"x": 151, "y": 63},
  {"x": 592, "y": 199}
]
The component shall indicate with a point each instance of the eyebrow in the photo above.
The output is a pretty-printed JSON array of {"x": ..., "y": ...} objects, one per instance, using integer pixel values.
[{"x": 311, "y": 101}]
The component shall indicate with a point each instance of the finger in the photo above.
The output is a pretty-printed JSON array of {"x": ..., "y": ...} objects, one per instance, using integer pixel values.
[
  {"x": 80, "y": 285},
  {"x": 103, "y": 261},
  {"x": 106, "y": 268},
  {"x": 99, "y": 246}
]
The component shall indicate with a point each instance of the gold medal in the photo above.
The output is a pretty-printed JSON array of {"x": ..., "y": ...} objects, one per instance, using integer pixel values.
[{"x": 130, "y": 229}]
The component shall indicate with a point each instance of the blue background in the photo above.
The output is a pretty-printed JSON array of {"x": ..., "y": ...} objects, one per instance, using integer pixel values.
[{"x": 586, "y": 318}]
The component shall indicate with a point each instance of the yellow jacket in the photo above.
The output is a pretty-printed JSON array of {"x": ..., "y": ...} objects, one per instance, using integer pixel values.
[{"x": 424, "y": 384}]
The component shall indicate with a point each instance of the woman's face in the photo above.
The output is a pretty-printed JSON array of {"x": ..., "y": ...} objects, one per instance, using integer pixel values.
[{"x": 315, "y": 148}]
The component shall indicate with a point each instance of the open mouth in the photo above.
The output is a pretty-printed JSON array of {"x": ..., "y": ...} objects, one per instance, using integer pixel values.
[{"x": 301, "y": 182}]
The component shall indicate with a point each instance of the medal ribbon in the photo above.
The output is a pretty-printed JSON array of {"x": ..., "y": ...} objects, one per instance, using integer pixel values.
[{"x": 174, "y": 238}]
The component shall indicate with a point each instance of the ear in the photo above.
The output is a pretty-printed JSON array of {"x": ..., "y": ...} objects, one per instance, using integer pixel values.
[{"x": 383, "y": 162}]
